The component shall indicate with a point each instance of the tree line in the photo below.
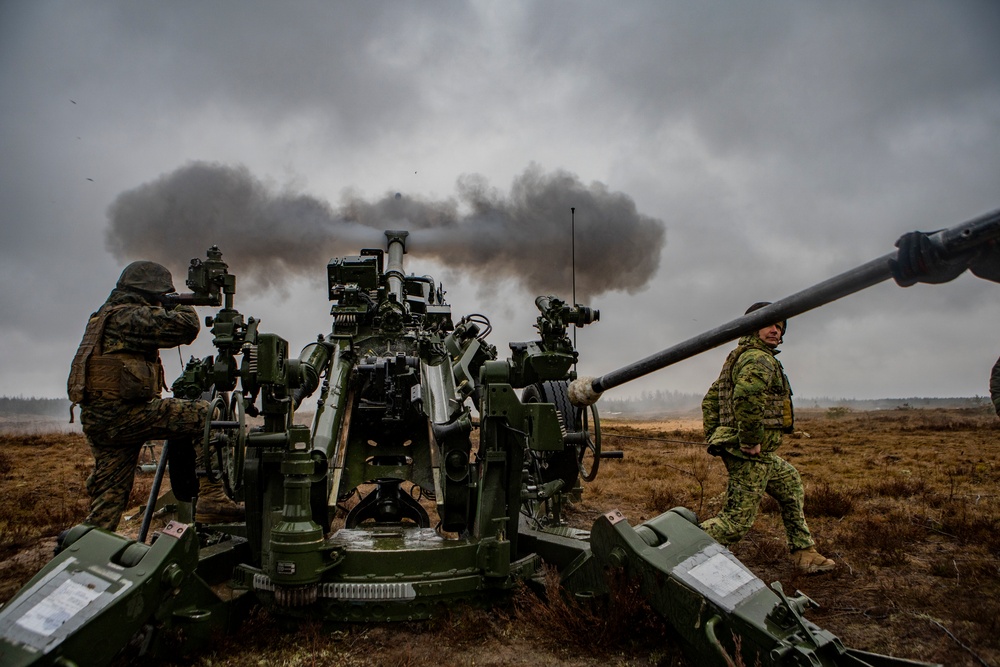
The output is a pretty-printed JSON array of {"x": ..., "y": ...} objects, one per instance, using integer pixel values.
[
  {"x": 44, "y": 407},
  {"x": 645, "y": 403}
]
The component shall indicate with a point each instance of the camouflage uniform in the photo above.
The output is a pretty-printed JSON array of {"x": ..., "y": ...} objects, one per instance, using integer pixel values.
[
  {"x": 995, "y": 386},
  {"x": 117, "y": 418},
  {"x": 751, "y": 404},
  {"x": 988, "y": 268}
]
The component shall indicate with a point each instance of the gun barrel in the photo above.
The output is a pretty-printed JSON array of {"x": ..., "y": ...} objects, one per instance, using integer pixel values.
[
  {"x": 396, "y": 242},
  {"x": 953, "y": 242}
]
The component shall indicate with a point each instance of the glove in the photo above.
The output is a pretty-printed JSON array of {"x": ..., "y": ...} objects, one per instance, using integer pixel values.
[
  {"x": 919, "y": 261},
  {"x": 987, "y": 263}
]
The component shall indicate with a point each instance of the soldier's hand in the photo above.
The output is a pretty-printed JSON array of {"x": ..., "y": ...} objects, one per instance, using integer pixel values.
[
  {"x": 919, "y": 260},
  {"x": 987, "y": 263}
]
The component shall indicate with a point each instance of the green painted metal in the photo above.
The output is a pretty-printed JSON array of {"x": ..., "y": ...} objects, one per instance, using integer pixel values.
[
  {"x": 103, "y": 591},
  {"x": 438, "y": 515},
  {"x": 719, "y": 608}
]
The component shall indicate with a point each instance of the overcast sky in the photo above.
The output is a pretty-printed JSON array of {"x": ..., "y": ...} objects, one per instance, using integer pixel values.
[{"x": 716, "y": 154}]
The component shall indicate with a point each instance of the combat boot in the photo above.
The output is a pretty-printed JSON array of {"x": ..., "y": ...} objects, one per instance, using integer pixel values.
[
  {"x": 810, "y": 561},
  {"x": 214, "y": 506}
]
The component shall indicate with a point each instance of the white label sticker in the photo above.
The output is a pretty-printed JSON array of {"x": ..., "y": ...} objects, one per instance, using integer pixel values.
[
  {"x": 61, "y": 605},
  {"x": 721, "y": 575}
]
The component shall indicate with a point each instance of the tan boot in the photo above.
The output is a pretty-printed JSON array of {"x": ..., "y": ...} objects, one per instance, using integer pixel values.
[
  {"x": 810, "y": 561},
  {"x": 214, "y": 506}
]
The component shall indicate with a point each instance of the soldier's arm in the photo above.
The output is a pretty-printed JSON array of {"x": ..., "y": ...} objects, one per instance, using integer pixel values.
[
  {"x": 710, "y": 410},
  {"x": 752, "y": 376},
  {"x": 995, "y": 386},
  {"x": 146, "y": 327}
]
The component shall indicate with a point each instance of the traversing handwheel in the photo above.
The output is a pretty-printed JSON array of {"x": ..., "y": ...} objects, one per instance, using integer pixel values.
[
  {"x": 224, "y": 441},
  {"x": 235, "y": 455},
  {"x": 589, "y": 455},
  {"x": 214, "y": 439}
]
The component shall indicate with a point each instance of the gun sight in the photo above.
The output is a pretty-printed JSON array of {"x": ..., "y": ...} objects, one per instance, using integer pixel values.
[
  {"x": 208, "y": 280},
  {"x": 192, "y": 299}
]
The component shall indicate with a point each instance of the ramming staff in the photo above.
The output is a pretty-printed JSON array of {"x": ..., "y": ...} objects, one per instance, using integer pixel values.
[{"x": 952, "y": 243}]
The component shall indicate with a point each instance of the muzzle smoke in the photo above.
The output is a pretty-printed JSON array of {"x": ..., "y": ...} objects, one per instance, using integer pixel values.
[{"x": 269, "y": 236}]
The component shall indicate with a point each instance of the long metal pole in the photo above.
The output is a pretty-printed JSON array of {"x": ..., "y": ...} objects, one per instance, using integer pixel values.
[
  {"x": 572, "y": 234},
  {"x": 952, "y": 242},
  {"x": 154, "y": 492}
]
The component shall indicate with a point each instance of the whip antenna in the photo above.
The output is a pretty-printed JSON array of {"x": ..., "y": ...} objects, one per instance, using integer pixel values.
[{"x": 572, "y": 236}]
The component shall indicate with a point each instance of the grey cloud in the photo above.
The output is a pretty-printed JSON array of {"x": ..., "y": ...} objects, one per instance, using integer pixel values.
[{"x": 779, "y": 143}]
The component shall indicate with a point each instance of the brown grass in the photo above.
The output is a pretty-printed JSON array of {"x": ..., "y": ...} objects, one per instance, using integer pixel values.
[
  {"x": 907, "y": 502},
  {"x": 42, "y": 492}
]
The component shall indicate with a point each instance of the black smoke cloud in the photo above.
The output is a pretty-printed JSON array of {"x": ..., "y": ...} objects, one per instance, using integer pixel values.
[{"x": 269, "y": 235}]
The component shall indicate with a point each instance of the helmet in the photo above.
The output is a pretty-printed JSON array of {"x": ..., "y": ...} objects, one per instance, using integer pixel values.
[
  {"x": 147, "y": 276},
  {"x": 760, "y": 304}
]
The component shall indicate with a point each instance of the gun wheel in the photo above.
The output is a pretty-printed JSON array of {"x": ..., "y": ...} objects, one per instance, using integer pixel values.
[
  {"x": 589, "y": 455},
  {"x": 560, "y": 464}
]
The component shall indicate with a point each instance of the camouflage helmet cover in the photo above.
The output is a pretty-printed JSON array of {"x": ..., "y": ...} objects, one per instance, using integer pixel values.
[
  {"x": 147, "y": 276},
  {"x": 760, "y": 304}
]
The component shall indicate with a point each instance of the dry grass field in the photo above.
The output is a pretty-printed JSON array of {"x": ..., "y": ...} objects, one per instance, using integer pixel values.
[{"x": 906, "y": 501}]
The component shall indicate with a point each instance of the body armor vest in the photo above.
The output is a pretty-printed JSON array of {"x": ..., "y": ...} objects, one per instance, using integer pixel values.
[
  {"x": 124, "y": 376},
  {"x": 778, "y": 411}
]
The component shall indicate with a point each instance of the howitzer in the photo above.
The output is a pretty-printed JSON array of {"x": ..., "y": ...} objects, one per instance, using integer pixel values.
[{"x": 387, "y": 507}]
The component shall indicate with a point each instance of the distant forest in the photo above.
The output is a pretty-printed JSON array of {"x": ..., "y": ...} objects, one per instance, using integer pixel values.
[
  {"x": 654, "y": 402},
  {"x": 42, "y": 407}
]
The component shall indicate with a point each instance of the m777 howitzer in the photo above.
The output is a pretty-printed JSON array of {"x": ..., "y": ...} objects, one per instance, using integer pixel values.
[
  {"x": 387, "y": 507},
  {"x": 338, "y": 514}
]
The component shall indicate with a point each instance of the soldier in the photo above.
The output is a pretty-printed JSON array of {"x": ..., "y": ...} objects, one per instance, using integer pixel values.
[
  {"x": 995, "y": 386},
  {"x": 116, "y": 378},
  {"x": 745, "y": 413},
  {"x": 919, "y": 260}
]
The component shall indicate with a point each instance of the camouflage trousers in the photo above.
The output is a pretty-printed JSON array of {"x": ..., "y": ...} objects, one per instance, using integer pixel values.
[
  {"x": 749, "y": 480},
  {"x": 116, "y": 433}
]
